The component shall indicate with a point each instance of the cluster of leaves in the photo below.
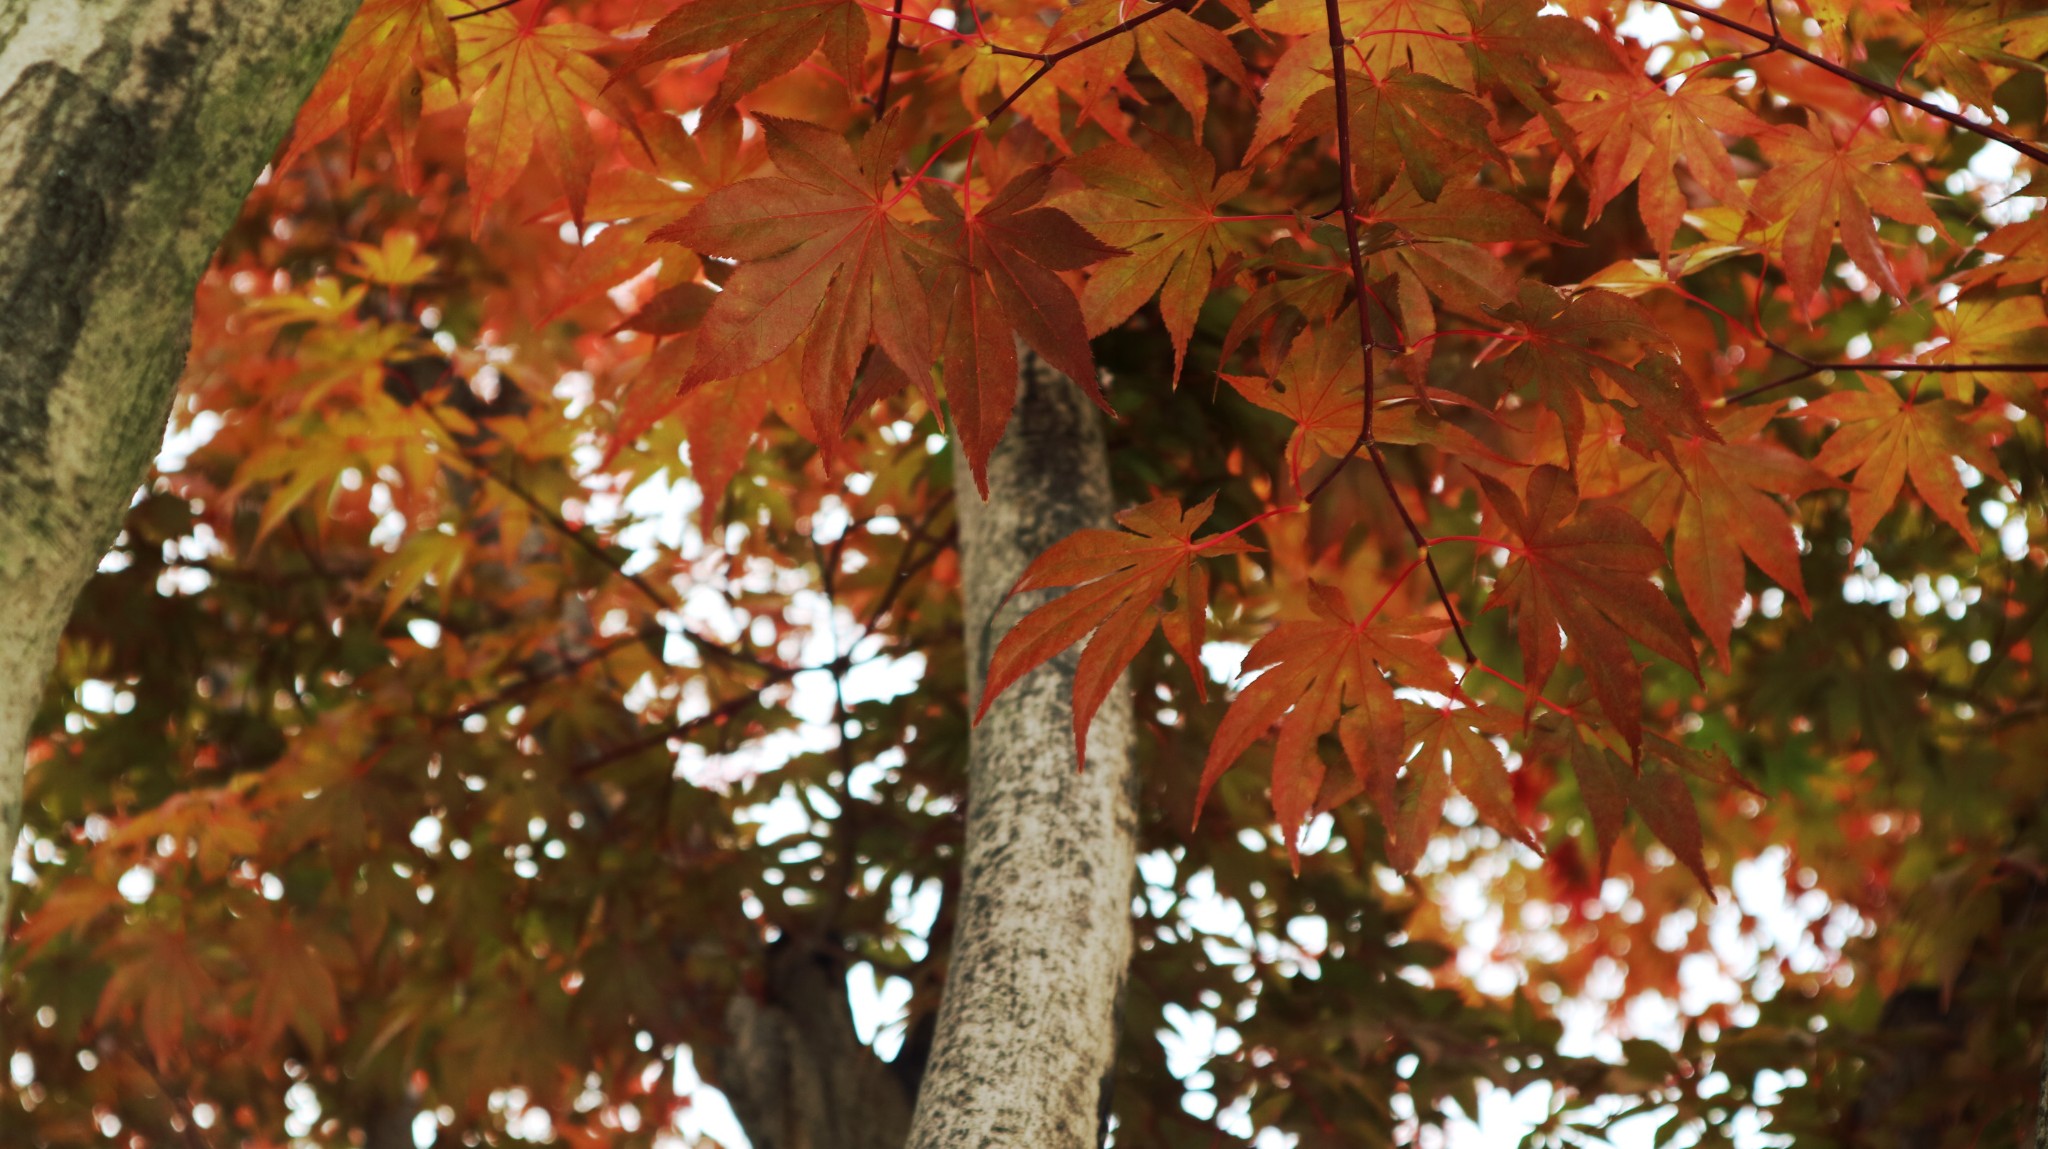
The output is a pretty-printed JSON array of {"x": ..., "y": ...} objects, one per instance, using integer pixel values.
[{"x": 459, "y": 773}]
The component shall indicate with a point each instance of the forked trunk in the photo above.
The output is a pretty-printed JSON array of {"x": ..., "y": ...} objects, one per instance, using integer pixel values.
[
  {"x": 130, "y": 133},
  {"x": 1028, "y": 1025}
]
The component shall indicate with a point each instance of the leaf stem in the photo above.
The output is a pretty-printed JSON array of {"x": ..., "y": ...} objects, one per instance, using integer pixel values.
[
  {"x": 1479, "y": 540},
  {"x": 1532, "y": 695},
  {"x": 1388, "y": 596}
]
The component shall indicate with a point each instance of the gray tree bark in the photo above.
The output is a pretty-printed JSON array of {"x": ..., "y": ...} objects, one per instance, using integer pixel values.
[
  {"x": 796, "y": 1073},
  {"x": 130, "y": 133},
  {"x": 1028, "y": 1026}
]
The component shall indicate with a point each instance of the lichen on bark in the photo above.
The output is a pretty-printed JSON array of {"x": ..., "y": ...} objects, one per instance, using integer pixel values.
[{"x": 130, "y": 133}]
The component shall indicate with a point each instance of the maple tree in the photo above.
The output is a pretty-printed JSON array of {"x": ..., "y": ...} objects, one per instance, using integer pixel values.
[{"x": 552, "y": 623}]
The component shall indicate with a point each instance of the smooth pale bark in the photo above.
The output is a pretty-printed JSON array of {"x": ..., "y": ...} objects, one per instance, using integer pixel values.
[
  {"x": 130, "y": 133},
  {"x": 1028, "y": 1025}
]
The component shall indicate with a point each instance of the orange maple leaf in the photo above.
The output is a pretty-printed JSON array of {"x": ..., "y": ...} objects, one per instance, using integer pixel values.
[
  {"x": 1119, "y": 577},
  {"x": 1885, "y": 440},
  {"x": 1816, "y": 183},
  {"x": 1642, "y": 134},
  {"x": 1007, "y": 249},
  {"x": 1584, "y": 569},
  {"x": 767, "y": 41},
  {"x": 823, "y": 259},
  {"x": 1161, "y": 206},
  {"x": 1313, "y": 670},
  {"x": 537, "y": 79}
]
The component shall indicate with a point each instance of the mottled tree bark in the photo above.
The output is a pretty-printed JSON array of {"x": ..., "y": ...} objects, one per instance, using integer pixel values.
[
  {"x": 1028, "y": 1025},
  {"x": 796, "y": 1072},
  {"x": 130, "y": 133}
]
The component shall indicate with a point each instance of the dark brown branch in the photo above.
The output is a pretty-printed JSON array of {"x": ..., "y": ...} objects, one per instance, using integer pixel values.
[
  {"x": 681, "y": 727},
  {"x": 889, "y": 59},
  {"x": 484, "y": 11},
  {"x": 906, "y": 566},
  {"x": 582, "y": 538},
  {"x": 1811, "y": 367},
  {"x": 1379, "y": 462},
  {"x": 527, "y": 683},
  {"x": 1347, "y": 201},
  {"x": 1049, "y": 59},
  {"x": 1776, "y": 40}
]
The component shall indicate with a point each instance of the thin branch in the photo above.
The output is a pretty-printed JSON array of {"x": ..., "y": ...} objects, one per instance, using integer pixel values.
[
  {"x": 1777, "y": 40},
  {"x": 1347, "y": 199},
  {"x": 1050, "y": 59},
  {"x": 906, "y": 567},
  {"x": 581, "y": 537},
  {"x": 1436, "y": 577},
  {"x": 527, "y": 683},
  {"x": 484, "y": 11},
  {"x": 680, "y": 728},
  {"x": 1347, "y": 203},
  {"x": 1812, "y": 367},
  {"x": 889, "y": 58}
]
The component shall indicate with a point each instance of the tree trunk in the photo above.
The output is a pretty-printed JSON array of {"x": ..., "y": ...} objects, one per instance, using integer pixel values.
[
  {"x": 796, "y": 1072},
  {"x": 130, "y": 133},
  {"x": 1028, "y": 1025}
]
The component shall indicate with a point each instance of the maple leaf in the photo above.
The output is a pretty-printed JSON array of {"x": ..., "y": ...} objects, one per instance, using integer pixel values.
[
  {"x": 1816, "y": 183},
  {"x": 1319, "y": 387},
  {"x": 1727, "y": 513},
  {"x": 1510, "y": 41},
  {"x": 161, "y": 981},
  {"x": 397, "y": 262},
  {"x": 1458, "y": 739},
  {"x": 767, "y": 41},
  {"x": 1584, "y": 568},
  {"x": 1177, "y": 47},
  {"x": 538, "y": 77},
  {"x": 1441, "y": 245},
  {"x": 294, "y": 987},
  {"x": 1568, "y": 343},
  {"x": 821, "y": 256},
  {"x": 717, "y": 419},
  {"x": 1642, "y": 133},
  {"x": 74, "y": 906},
  {"x": 1885, "y": 440},
  {"x": 1406, "y": 122},
  {"x": 1961, "y": 44},
  {"x": 2022, "y": 251},
  {"x": 1313, "y": 669},
  {"x": 1160, "y": 206},
  {"x": 1715, "y": 502},
  {"x": 1655, "y": 790},
  {"x": 1090, "y": 77},
  {"x": 1008, "y": 249},
  {"x": 1118, "y": 578},
  {"x": 366, "y": 79},
  {"x": 1980, "y": 330},
  {"x": 1423, "y": 35}
]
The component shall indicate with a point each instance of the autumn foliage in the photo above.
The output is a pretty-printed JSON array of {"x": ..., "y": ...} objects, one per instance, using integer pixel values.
[{"x": 1576, "y": 418}]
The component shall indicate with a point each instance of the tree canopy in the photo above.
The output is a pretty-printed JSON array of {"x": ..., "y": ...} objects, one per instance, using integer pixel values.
[{"x": 1570, "y": 451}]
